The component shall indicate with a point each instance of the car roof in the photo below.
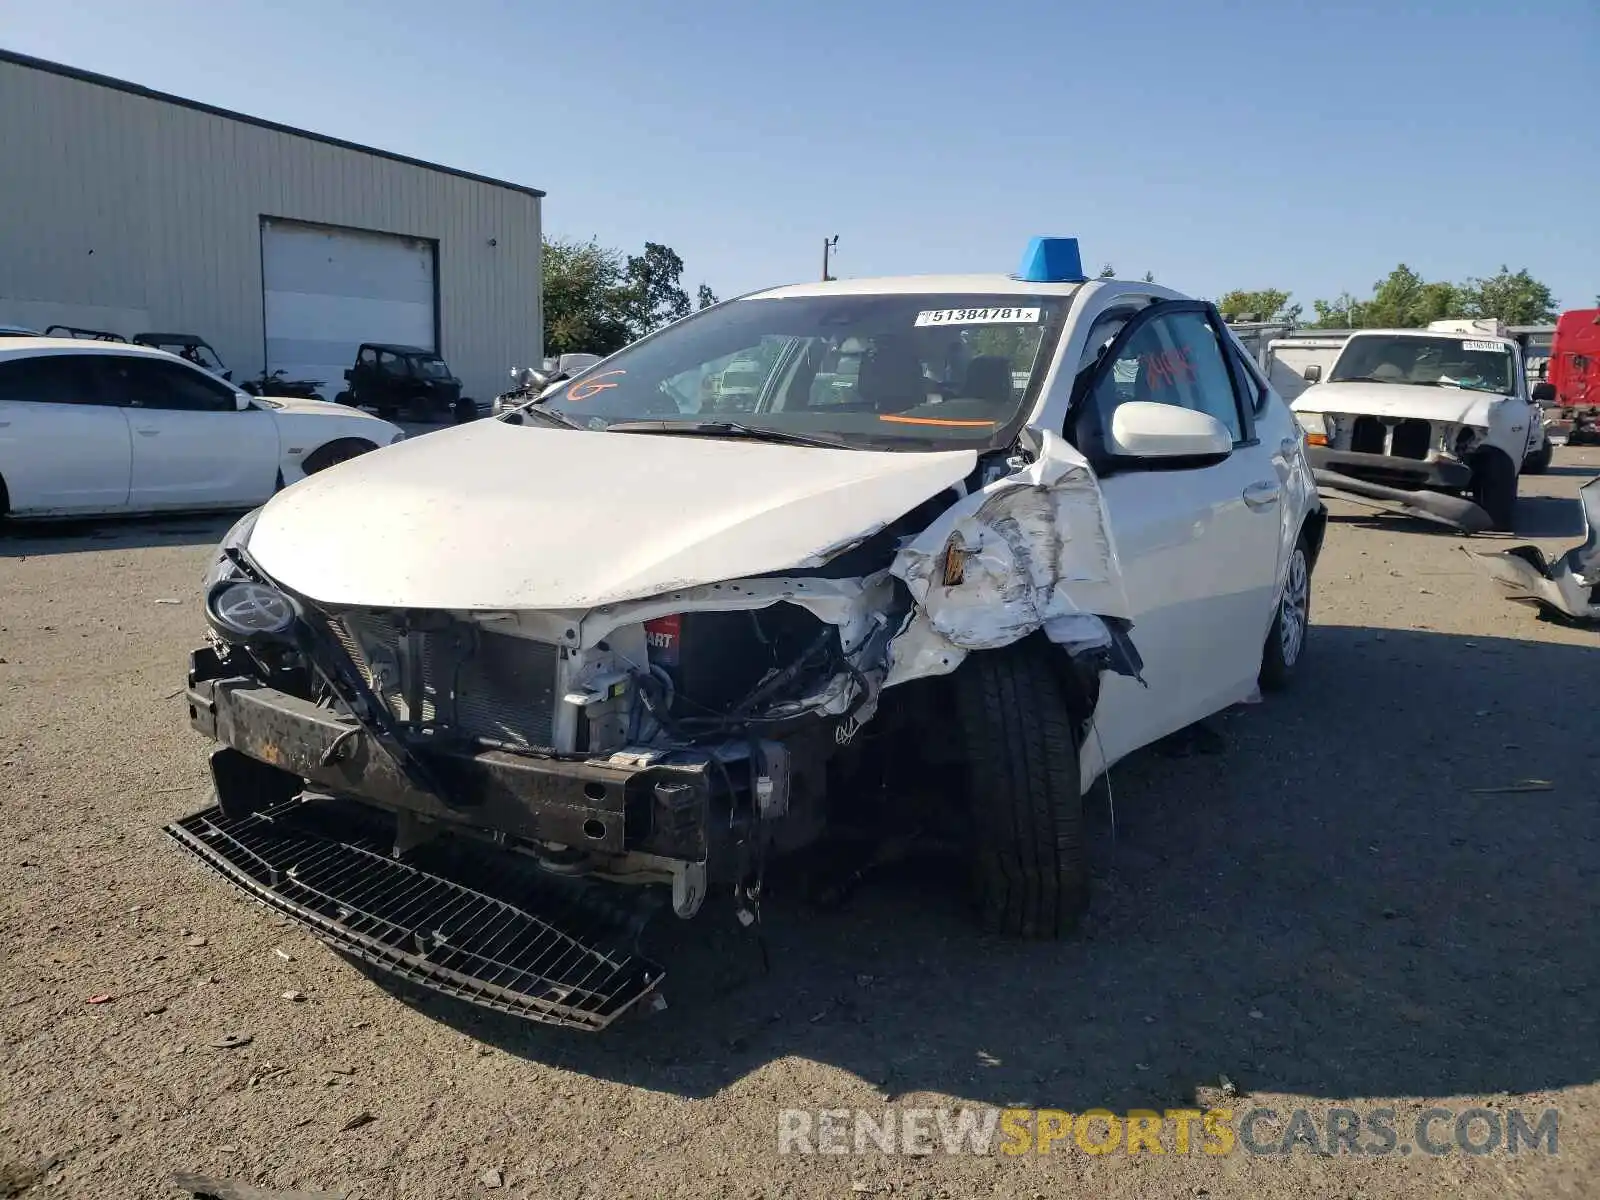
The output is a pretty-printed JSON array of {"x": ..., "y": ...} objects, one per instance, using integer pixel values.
[
  {"x": 1453, "y": 335},
  {"x": 23, "y": 346},
  {"x": 912, "y": 285},
  {"x": 396, "y": 348}
]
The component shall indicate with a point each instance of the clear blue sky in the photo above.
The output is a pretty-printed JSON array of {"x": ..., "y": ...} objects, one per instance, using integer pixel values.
[{"x": 1301, "y": 145}]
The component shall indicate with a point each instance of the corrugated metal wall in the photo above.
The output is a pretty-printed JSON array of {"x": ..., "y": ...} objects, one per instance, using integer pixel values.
[{"x": 128, "y": 213}]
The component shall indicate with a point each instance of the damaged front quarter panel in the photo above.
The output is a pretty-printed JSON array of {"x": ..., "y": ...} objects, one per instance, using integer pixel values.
[{"x": 1030, "y": 551}]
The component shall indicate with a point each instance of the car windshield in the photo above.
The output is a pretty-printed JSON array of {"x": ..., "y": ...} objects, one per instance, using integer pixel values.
[
  {"x": 1426, "y": 362},
  {"x": 879, "y": 371},
  {"x": 432, "y": 368}
]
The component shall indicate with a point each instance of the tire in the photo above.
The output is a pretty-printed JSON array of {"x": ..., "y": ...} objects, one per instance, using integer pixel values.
[
  {"x": 1494, "y": 487},
  {"x": 1291, "y": 623},
  {"x": 1023, "y": 797},
  {"x": 1538, "y": 462},
  {"x": 338, "y": 451}
]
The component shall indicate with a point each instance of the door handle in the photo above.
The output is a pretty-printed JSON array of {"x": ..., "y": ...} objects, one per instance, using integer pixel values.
[
  {"x": 148, "y": 432},
  {"x": 1261, "y": 495}
]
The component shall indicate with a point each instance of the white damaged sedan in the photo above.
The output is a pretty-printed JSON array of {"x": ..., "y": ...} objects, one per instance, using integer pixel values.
[
  {"x": 89, "y": 428},
  {"x": 967, "y": 542}
]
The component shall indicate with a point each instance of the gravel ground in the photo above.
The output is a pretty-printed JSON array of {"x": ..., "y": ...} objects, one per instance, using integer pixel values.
[{"x": 1327, "y": 911}]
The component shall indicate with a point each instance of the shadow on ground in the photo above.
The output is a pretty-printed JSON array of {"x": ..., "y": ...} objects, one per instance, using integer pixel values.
[
  {"x": 38, "y": 538},
  {"x": 1331, "y": 906}
]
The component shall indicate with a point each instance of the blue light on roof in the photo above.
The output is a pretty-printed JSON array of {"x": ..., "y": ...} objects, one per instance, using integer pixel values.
[{"x": 1052, "y": 260}]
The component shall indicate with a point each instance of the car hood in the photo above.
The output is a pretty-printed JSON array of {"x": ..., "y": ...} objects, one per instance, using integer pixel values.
[
  {"x": 492, "y": 515},
  {"x": 1456, "y": 406},
  {"x": 300, "y": 404}
]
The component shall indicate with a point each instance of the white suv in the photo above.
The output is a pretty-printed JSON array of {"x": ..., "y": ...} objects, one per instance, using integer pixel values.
[{"x": 92, "y": 427}]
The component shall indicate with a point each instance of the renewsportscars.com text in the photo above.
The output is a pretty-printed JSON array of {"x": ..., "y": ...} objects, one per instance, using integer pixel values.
[{"x": 1375, "y": 1132}]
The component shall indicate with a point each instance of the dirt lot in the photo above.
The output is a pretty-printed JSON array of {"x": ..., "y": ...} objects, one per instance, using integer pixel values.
[{"x": 1327, "y": 911}]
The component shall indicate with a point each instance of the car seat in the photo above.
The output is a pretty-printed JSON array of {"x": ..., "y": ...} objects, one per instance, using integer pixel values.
[
  {"x": 989, "y": 378},
  {"x": 891, "y": 378}
]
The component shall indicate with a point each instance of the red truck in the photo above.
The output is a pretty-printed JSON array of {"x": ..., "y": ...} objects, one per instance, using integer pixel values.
[{"x": 1571, "y": 386}]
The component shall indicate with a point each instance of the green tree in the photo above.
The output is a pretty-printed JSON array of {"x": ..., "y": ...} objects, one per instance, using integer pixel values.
[
  {"x": 653, "y": 291},
  {"x": 1514, "y": 298},
  {"x": 597, "y": 301},
  {"x": 1107, "y": 272},
  {"x": 581, "y": 311},
  {"x": 1404, "y": 300},
  {"x": 1149, "y": 277},
  {"x": 1268, "y": 304},
  {"x": 1344, "y": 312}
]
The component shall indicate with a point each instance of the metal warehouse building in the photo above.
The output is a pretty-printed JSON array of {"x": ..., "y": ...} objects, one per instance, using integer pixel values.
[{"x": 128, "y": 210}]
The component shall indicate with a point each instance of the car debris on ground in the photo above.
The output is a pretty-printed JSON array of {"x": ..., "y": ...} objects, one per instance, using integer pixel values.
[{"x": 1569, "y": 587}]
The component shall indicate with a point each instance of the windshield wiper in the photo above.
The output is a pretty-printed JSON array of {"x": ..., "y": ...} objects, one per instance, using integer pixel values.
[
  {"x": 725, "y": 429},
  {"x": 554, "y": 415}
]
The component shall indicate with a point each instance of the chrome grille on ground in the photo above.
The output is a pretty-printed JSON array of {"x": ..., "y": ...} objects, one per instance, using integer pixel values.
[
  {"x": 477, "y": 682},
  {"x": 523, "y": 950}
]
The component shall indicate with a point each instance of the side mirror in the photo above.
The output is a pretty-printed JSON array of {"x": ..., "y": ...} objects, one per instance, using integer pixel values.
[
  {"x": 531, "y": 378},
  {"x": 1313, "y": 373},
  {"x": 1544, "y": 393},
  {"x": 1146, "y": 431}
]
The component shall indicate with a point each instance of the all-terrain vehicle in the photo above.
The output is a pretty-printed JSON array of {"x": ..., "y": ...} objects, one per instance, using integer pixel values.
[{"x": 388, "y": 378}]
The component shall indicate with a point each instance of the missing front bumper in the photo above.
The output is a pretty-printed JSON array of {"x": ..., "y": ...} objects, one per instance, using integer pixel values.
[
  {"x": 1454, "y": 511},
  {"x": 532, "y": 948},
  {"x": 607, "y": 805}
]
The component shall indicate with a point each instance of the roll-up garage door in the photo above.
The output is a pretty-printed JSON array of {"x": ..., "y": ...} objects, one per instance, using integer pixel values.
[{"x": 329, "y": 289}]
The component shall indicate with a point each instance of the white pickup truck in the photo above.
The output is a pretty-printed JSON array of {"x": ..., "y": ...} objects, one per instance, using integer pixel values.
[{"x": 1418, "y": 419}]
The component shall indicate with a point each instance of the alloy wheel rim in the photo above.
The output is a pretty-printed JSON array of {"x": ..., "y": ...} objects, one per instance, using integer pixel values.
[{"x": 1294, "y": 608}]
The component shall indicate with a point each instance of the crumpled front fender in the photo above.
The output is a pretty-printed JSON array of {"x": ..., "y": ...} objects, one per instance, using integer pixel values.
[{"x": 1030, "y": 551}]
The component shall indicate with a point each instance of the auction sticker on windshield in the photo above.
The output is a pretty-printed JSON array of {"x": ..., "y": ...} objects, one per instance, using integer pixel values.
[
  {"x": 978, "y": 316},
  {"x": 1490, "y": 346}
]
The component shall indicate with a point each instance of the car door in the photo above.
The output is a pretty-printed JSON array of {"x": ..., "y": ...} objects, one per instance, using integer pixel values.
[
  {"x": 63, "y": 447},
  {"x": 193, "y": 447},
  {"x": 1198, "y": 544}
]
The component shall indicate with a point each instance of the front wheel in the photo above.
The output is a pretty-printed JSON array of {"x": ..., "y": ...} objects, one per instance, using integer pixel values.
[
  {"x": 1494, "y": 488},
  {"x": 1023, "y": 793},
  {"x": 1286, "y": 640},
  {"x": 1538, "y": 462}
]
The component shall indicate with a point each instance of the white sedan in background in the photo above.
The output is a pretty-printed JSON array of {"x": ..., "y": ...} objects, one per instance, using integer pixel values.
[{"x": 90, "y": 428}]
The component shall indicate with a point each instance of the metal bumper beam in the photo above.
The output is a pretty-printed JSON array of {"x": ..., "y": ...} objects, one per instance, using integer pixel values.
[{"x": 606, "y": 805}]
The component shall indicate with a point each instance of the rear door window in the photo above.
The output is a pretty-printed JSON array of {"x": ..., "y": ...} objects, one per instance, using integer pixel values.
[{"x": 47, "y": 379}]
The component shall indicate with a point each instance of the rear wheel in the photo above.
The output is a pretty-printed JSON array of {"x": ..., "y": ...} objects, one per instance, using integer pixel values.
[
  {"x": 1022, "y": 793},
  {"x": 1286, "y": 640},
  {"x": 1494, "y": 487}
]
